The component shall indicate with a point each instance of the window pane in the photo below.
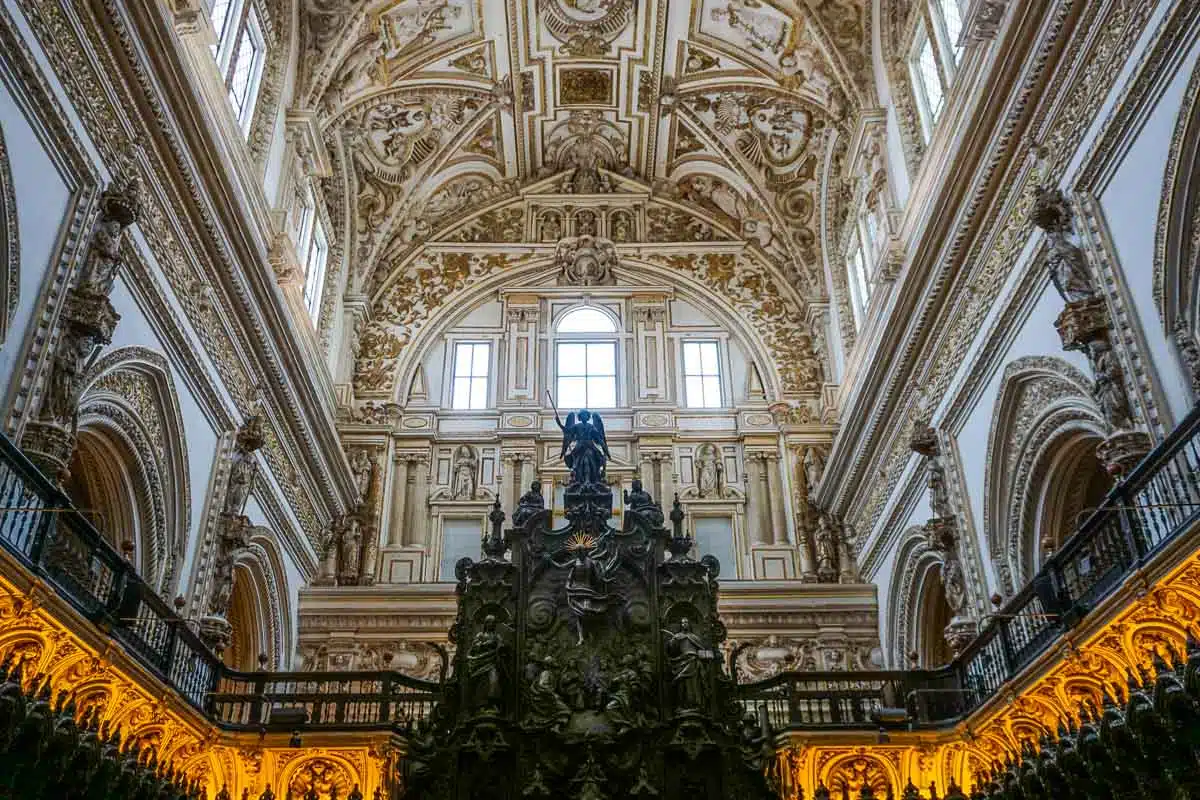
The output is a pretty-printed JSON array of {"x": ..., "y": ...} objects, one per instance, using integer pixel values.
[
  {"x": 572, "y": 359},
  {"x": 694, "y": 391},
  {"x": 220, "y": 18},
  {"x": 462, "y": 394},
  {"x": 708, "y": 352},
  {"x": 930, "y": 78},
  {"x": 586, "y": 320},
  {"x": 601, "y": 392},
  {"x": 601, "y": 359},
  {"x": 479, "y": 360},
  {"x": 462, "y": 360},
  {"x": 952, "y": 17},
  {"x": 572, "y": 393},
  {"x": 479, "y": 393},
  {"x": 691, "y": 358},
  {"x": 712, "y": 391}
]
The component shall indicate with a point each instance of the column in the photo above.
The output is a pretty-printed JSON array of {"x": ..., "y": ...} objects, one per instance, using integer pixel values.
[
  {"x": 419, "y": 513},
  {"x": 760, "y": 528},
  {"x": 396, "y": 527},
  {"x": 778, "y": 502}
]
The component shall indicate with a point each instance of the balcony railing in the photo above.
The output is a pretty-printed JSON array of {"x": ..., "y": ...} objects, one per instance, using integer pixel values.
[
  {"x": 1155, "y": 505},
  {"x": 54, "y": 541},
  {"x": 1151, "y": 508}
]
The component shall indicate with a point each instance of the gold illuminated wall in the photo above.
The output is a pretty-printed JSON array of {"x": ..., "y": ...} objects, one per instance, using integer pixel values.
[
  {"x": 1157, "y": 621},
  {"x": 99, "y": 674}
]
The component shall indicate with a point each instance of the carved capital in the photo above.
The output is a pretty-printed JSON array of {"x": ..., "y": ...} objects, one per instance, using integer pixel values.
[{"x": 982, "y": 21}]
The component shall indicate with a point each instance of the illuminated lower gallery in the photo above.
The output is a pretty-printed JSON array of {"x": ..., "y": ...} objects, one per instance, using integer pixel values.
[{"x": 599, "y": 398}]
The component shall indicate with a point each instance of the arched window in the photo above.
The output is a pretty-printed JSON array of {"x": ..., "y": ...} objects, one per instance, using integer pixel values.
[
  {"x": 241, "y": 52},
  {"x": 933, "y": 58},
  {"x": 586, "y": 359}
]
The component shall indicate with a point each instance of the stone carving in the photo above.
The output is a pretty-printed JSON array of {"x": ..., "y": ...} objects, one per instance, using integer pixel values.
[
  {"x": 550, "y": 227},
  {"x": 1109, "y": 388},
  {"x": 1189, "y": 352},
  {"x": 1067, "y": 263},
  {"x": 814, "y": 469},
  {"x": 708, "y": 471},
  {"x": 586, "y": 28},
  {"x": 827, "y": 549},
  {"x": 466, "y": 467},
  {"x": 243, "y": 466},
  {"x": 585, "y": 261},
  {"x": 586, "y": 143},
  {"x": 360, "y": 466},
  {"x": 351, "y": 552}
]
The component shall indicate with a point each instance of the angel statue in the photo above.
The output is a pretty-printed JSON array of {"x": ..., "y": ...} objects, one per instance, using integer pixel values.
[{"x": 584, "y": 447}]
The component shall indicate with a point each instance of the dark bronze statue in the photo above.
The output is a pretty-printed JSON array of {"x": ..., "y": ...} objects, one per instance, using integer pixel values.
[
  {"x": 688, "y": 652},
  {"x": 584, "y": 447},
  {"x": 530, "y": 505},
  {"x": 483, "y": 661}
]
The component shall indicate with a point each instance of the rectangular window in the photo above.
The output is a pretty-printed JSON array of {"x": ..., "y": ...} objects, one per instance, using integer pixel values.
[
  {"x": 221, "y": 11},
  {"x": 246, "y": 70},
  {"x": 314, "y": 270},
  {"x": 927, "y": 81},
  {"x": 952, "y": 22},
  {"x": 701, "y": 375},
  {"x": 469, "y": 388},
  {"x": 860, "y": 287},
  {"x": 587, "y": 375}
]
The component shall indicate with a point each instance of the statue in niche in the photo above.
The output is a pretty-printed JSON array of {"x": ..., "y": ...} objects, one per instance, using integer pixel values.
[
  {"x": 552, "y": 229},
  {"x": 465, "y": 468},
  {"x": 351, "y": 550},
  {"x": 826, "y": 549},
  {"x": 687, "y": 653},
  {"x": 584, "y": 447},
  {"x": 622, "y": 228},
  {"x": 708, "y": 471},
  {"x": 360, "y": 466},
  {"x": 587, "y": 590},
  {"x": 953, "y": 583},
  {"x": 814, "y": 468},
  {"x": 639, "y": 500},
  {"x": 939, "y": 495},
  {"x": 530, "y": 504},
  {"x": 585, "y": 223},
  {"x": 483, "y": 668},
  {"x": 585, "y": 261}
]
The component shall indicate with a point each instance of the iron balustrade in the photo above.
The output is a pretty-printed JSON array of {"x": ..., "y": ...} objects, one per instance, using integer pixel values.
[
  {"x": 1157, "y": 503},
  {"x": 343, "y": 700}
]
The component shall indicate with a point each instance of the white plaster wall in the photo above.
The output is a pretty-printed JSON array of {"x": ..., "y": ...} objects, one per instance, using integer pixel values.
[
  {"x": 1130, "y": 203},
  {"x": 199, "y": 435},
  {"x": 43, "y": 198}
]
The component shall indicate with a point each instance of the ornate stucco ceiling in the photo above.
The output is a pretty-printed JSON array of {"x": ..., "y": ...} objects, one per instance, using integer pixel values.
[{"x": 721, "y": 124}]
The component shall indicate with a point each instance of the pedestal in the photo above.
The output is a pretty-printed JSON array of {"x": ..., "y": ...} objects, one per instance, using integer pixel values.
[
  {"x": 216, "y": 632},
  {"x": 1082, "y": 322},
  {"x": 1122, "y": 451},
  {"x": 50, "y": 447},
  {"x": 960, "y": 632}
]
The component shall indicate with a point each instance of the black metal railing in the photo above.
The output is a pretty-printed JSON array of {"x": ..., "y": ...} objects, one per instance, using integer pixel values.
[
  {"x": 323, "y": 699},
  {"x": 1155, "y": 505}
]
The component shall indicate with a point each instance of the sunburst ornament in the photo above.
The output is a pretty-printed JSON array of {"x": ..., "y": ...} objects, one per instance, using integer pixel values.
[{"x": 581, "y": 541}]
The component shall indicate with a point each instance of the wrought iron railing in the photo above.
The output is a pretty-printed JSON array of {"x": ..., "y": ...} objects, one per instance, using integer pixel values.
[
  {"x": 1156, "y": 504},
  {"x": 54, "y": 541}
]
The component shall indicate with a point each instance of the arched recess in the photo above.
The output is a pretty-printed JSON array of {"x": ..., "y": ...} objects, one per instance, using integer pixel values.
[
  {"x": 917, "y": 609},
  {"x": 1177, "y": 238},
  {"x": 260, "y": 612},
  {"x": 322, "y": 772},
  {"x": 1041, "y": 466},
  {"x": 131, "y": 463},
  {"x": 776, "y": 344},
  {"x": 10, "y": 249}
]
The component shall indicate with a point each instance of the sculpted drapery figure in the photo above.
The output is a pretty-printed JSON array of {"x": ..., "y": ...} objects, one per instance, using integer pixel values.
[
  {"x": 639, "y": 500},
  {"x": 587, "y": 590},
  {"x": 1066, "y": 261},
  {"x": 530, "y": 504},
  {"x": 465, "y": 466},
  {"x": 584, "y": 447},
  {"x": 687, "y": 652},
  {"x": 483, "y": 664}
]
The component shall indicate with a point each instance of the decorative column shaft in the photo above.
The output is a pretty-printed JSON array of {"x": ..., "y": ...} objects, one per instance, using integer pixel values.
[
  {"x": 396, "y": 526},
  {"x": 778, "y": 510},
  {"x": 761, "y": 531}
]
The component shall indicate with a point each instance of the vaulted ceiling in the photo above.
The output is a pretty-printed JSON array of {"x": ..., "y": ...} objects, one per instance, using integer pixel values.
[{"x": 716, "y": 121}]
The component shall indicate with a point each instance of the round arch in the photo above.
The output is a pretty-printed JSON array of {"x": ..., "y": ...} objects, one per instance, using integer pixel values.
[
  {"x": 1176, "y": 252},
  {"x": 1043, "y": 422},
  {"x": 917, "y": 609},
  {"x": 633, "y": 271},
  {"x": 260, "y": 611},
  {"x": 131, "y": 463}
]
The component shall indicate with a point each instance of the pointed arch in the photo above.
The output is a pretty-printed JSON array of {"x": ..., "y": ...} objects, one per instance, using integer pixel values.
[
  {"x": 131, "y": 462},
  {"x": 1045, "y": 428}
]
